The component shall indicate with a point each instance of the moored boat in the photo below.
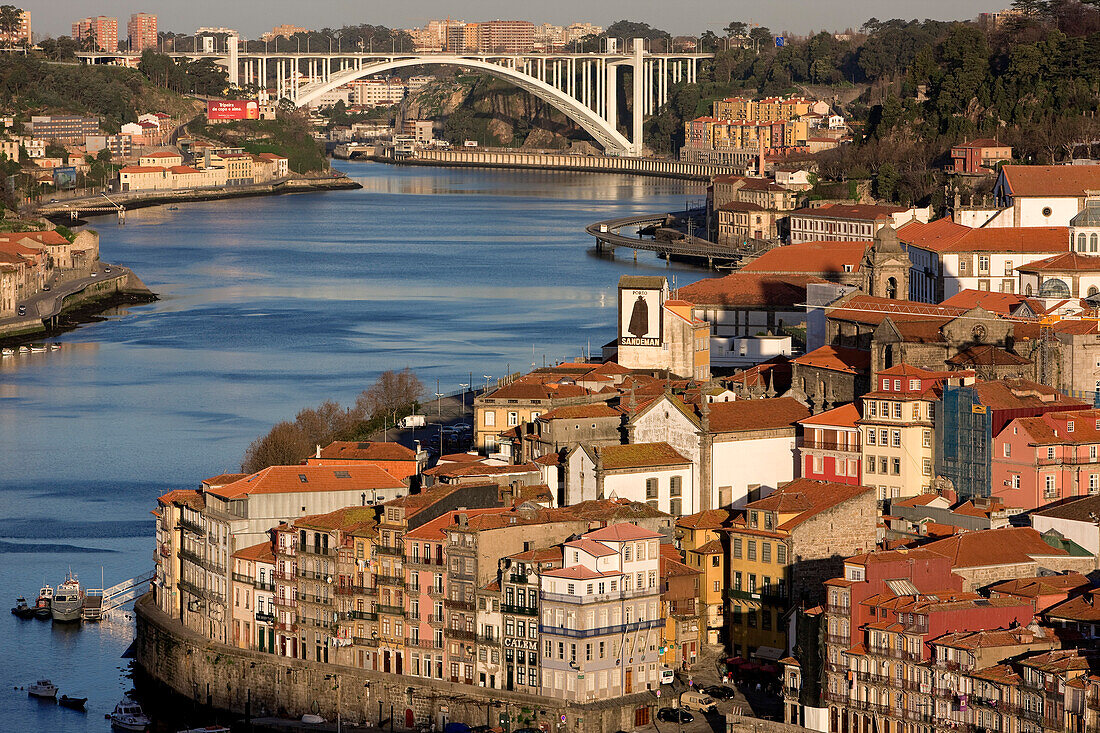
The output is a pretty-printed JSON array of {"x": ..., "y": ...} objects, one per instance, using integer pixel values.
[
  {"x": 68, "y": 600},
  {"x": 128, "y": 715},
  {"x": 21, "y": 609},
  {"x": 37, "y": 349},
  {"x": 55, "y": 347},
  {"x": 7, "y": 351},
  {"x": 42, "y": 604},
  {"x": 76, "y": 703},
  {"x": 43, "y": 689}
]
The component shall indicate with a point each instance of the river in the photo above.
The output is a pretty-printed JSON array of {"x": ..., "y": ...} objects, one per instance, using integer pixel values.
[{"x": 269, "y": 305}]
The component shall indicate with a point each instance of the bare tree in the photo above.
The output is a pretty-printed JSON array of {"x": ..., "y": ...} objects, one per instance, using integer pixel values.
[
  {"x": 391, "y": 393},
  {"x": 286, "y": 444}
]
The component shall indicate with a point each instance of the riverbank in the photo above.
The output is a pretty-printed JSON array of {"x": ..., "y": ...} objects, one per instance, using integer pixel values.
[
  {"x": 519, "y": 160},
  {"x": 97, "y": 205},
  {"x": 81, "y": 303}
]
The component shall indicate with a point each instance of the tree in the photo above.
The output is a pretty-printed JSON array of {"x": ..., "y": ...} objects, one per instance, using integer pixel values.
[
  {"x": 286, "y": 444},
  {"x": 735, "y": 29},
  {"x": 10, "y": 18},
  {"x": 391, "y": 393}
]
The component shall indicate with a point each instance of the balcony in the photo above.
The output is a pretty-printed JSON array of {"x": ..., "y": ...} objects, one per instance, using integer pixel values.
[
  {"x": 461, "y": 635},
  {"x": 435, "y": 620},
  {"x": 839, "y": 610},
  {"x": 424, "y": 643},
  {"x": 602, "y": 630},
  {"x": 398, "y": 551},
  {"x": 518, "y": 578},
  {"x": 364, "y": 641},
  {"x": 189, "y": 587},
  {"x": 267, "y": 585},
  {"x": 841, "y": 639},
  {"x": 428, "y": 563},
  {"x": 356, "y": 590},
  {"x": 324, "y": 550},
  {"x": 685, "y": 609},
  {"x": 435, "y": 590},
  {"x": 192, "y": 557},
  {"x": 1066, "y": 460},
  {"x": 315, "y": 622},
  {"x": 830, "y": 445},
  {"x": 458, "y": 605},
  {"x": 285, "y": 602},
  {"x": 283, "y": 626},
  {"x": 243, "y": 578},
  {"x": 483, "y": 639},
  {"x": 285, "y": 575},
  {"x": 767, "y": 594},
  {"x": 389, "y": 610},
  {"x": 359, "y": 615},
  {"x": 315, "y": 599},
  {"x": 312, "y": 574},
  {"x": 413, "y": 588},
  {"x": 391, "y": 580},
  {"x": 519, "y": 610},
  {"x": 192, "y": 527}
]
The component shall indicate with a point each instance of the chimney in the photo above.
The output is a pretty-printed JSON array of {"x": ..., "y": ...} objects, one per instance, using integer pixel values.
[{"x": 318, "y": 451}]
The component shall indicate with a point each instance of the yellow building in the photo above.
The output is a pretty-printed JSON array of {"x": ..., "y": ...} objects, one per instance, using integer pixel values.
[
  {"x": 701, "y": 537},
  {"x": 735, "y": 108},
  {"x": 897, "y": 428},
  {"x": 680, "y": 637},
  {"x": 782, "y": 548},
  {"x": 355, "y": 596}
]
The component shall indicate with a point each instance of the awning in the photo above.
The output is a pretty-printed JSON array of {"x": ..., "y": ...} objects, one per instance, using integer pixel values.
[{"x": 768, "y": 652}]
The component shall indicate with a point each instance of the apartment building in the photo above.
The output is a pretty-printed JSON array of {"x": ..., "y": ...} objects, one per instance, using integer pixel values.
[
  {"x": 600, "y": 623},
  {"x": 830, "y": 449},
  {"x": 704, "y": 541},
  {"x": 782, "y": 548},
  {"x": 897, "y": 425},
  {"x": 519, "y": 579},
  {"x": 652, "y": 473},
  {"x": 253, "y": 590},
  {"x": 101, "y": 29},
  {"x": 141, "y": 32},
  {"x": 851, "y": 222},
  {"x": 683, "y": 633},
  {"x": 63, "y": 128},
  {"x": 523, "y": 401},
  {"x": 21, "y": 33},
  {"x": 1042, "y": 459}
]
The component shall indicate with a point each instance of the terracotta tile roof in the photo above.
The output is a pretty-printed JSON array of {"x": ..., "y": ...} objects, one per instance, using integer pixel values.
[
  {"x": 898, "y": 555},
  {"x": 982, "y": 142},
  {"x": 1005, "y": 546},
  {"x": 749, "y": 289},
  {"x": 1078, "y": 328},
  {"x": 1065, "y": 262},
  {"x": 674, "y": 568},
  {"x": 1052, "y": 428},
  {"x": 1051, "y": 180},
  {"x": 190, "y": 498},
  {"x": 988, "y": 638},
  {"x": 1082, "y": 608},
  {"x": 837, "y": 359},
  {"x": 867, "y": 212},
  {"x": 596, "y": 549},
  {"x": 459, "y": 470},
  {"x": 992, "y": 301},
  {"x": 622, "y": 532},
  {"x": 287, "y": 480},
  {"x": 868, "y": 309},
  {"x": 347, "y": 519},
  {"x": 261, "y": 552},
  {"x": 746, "y": 415},
  {"x": 367, "y": 451},
  {"x": 531, "y": 389},
  {"x": 576, "y": 572},
  {"x": 541, "y": 555},
  {"x": 1000, "y": 674},
  {"x": 1036, "y": 586},
  {"x": 183, "y": 169},
  {"x": 807, "y": 498},
  {"x": 574, "y": 412},
  {"x": 810, "y": 258},
  {"x": 223, "y": 479},
  {"x": 549, "y": 459},
  {"x": 162, "y": 154},
  {"x": 708, "y": 519},
  {"x": 777, "y": 370},
  {"x": 1075, "y": 508},
  {"x": 844, "y": 416},
  {"x": 640, "y": 455},
  {"x": 435, "y": 529},
  {"x": 614, "y": 510},
  {"x": 714, "y": 547},
  {"x": 461, "y": 458},
  {"x": 142, "y": 169},
  {"x": 1010, "y": 239},
  {"x": 1019, "y": 394}
]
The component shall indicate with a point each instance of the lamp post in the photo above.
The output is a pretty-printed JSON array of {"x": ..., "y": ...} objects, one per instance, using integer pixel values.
[
  {"x": 336, "y": 685},
  {"x": 464, "y": 386},
  {"x": 439, "y": 404}
]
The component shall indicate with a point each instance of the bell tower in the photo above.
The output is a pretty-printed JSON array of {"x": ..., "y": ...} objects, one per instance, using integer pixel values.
[{"x": 885, "y": 267}]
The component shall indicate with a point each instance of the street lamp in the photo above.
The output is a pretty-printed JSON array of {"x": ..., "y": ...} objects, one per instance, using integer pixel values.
[
  {"x": 487, "y": 378},
  {"x": 464, "y": 386},
  {"x": 439, "y": 404},
  {"x": 336, "y": 685}
]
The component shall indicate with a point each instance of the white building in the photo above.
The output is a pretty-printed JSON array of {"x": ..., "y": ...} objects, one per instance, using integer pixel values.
[
  {"x": 850, "y": 222},
  {"x": 747, "y": 351},
  {"x": 651, "y": 473},
  {"x": 1041, "y": 195}
]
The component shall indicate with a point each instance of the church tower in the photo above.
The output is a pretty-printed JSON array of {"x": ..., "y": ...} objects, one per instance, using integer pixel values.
[{"x": 885, "y": 267}]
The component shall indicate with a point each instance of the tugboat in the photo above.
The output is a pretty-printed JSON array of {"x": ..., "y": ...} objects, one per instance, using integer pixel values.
[
  {"x": 22, "y": 610},
  {"x": 128, "y": 715},
  {"x": 43, "y": 688},
  {"x": 42, "y": 605},
  {"x": 68, "y": 601}
]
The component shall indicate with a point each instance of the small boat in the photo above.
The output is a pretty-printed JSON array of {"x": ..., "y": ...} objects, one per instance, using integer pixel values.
[
  {"x": 43, "y": 689},
  {"x": 42, "y": 605},
  {"x": 76, "y": 703},
  {"x": 173, "y": 208},
  {"x": 55, "y": 347},
  {"x": 37, "y": 349},
  {"x": 68, "y": 601},
  {"x": 24, "y": 350},
  {"x": 22, "y": 610},
  {"x": 128, "y": 715},
  {"x": 6, "y": 351}
]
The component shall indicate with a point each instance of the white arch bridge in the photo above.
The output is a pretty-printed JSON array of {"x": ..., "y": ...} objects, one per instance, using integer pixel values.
[{"x": 583, "y": 86}]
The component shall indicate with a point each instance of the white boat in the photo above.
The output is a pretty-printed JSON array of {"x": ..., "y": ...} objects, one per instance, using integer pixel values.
[
  {"x": 24, "y": 350},
  {"x": 68, "y": 600},
  {"x": 42, "y": 688},
  {"x": 6, "y": 351},
  {"x": 37, "y": 349},
  {"x": 128, "y": 715},
  {"x": 55, "y": 347}
]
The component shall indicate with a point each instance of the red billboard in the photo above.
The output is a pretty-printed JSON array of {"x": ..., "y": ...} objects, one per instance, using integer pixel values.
[{"x": 232, "y": 110}]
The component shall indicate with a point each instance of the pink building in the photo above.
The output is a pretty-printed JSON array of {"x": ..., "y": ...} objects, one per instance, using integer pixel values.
[
  {"x": 830, "y": 448},
  {"x": 1038, "y": 460},
  {"x": 102, "y": 29},
  {"x": 142, "y": 32},
  {"x": 426, "y": 569}
]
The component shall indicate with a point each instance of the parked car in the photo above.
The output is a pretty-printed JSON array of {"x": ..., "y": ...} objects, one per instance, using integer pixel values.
[
  {"x": 668, "y": 715},
  {"x": 720, "y": 692},
  {"x": 46, "y": 288},
  {"x": 700, "y": 701},
  {"x": 668, "y": 676},
  {"x": 22, "y": 310}
]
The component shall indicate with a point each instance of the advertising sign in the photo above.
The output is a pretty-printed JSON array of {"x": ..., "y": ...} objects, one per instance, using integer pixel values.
[
  {"x": 640, "y": 316},
  {"x": 232, "y": 109},
  {"x": 64, "y": 178}
]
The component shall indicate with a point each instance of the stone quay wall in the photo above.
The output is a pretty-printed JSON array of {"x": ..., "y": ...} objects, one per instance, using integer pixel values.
[{"x": 229, "y": 678}]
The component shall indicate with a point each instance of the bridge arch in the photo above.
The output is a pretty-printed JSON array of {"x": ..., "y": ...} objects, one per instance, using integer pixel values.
[{"x": 600, "y": 129}]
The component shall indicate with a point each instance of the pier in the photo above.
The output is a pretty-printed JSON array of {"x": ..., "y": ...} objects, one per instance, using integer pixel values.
[{"x": 678, "y": 245}]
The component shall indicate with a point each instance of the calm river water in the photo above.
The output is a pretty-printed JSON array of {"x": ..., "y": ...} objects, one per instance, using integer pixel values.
[{"x": 269, "y": 305}]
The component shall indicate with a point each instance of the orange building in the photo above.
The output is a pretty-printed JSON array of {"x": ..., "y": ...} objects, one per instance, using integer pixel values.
[{"x": 142, "y": 31}]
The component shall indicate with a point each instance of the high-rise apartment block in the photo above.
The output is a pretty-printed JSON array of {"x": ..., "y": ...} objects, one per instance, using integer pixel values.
[
  {"x": 102, "y": 29},
  {"x": 20, "y": 32},
  {"x": 142, "y": 31}
]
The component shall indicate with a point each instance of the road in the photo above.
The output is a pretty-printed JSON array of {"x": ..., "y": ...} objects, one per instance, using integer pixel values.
[{"x": 47, "y": 303}]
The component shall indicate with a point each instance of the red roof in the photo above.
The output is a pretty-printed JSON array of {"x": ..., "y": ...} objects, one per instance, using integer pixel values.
[
  {"x": 142, "y": 169},
  {"x": 1005, "y": 546},
  {"x": 1051, "y": 180},
  {"x": 640, "y": 455},
  {"x": 289, "y": 479},
  {"x": 844, "y": 416},
  {"x": 992, "y": 301},
  {"x": 749, "y": 289},
  {"x": 257, "y": 553},
  {"x": 367, "y": 451},
  {"x": 811, "y": 258},
  {"x": 807, "y": 498},
  {"x": 1065, "y": 262},
  {"x": 837, "y": 359},
  {"x": 745, "y": 415},
  {"x": 935, "y": 235},
  {"x": 622, "y": 532},
  {"x": 869, "y": 212}
]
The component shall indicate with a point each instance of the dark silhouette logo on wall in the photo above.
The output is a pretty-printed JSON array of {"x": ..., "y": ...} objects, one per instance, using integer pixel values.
[{"x": 639, "y": 317}]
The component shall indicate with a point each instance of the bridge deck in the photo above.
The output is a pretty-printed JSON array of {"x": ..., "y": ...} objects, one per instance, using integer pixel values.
[{"x": 607, "y": 234}]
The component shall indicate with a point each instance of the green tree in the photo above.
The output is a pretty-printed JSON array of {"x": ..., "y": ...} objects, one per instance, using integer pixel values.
[{"x": 735, "y": 29}]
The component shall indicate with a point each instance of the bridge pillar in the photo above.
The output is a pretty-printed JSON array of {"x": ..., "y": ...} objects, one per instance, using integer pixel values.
[
  {"x": 638, "y": 105},
  {"x": 611, "y": 96},
  {"x": 234, "y": 62}
]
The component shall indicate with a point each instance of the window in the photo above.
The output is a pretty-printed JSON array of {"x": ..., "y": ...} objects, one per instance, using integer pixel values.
[
  {"x": 897, "y": 410},
  {"x": 651, "y": 488},
  {"x": 883, "y": 436},
  {"x": 513, "y": 419},
  {"x": 964, "y": 265},
  {"x": 983, "y": 264},
  {"x": 895, "y": 438},
  {"x": 1094, "y": 483},
  {"x": 1008, "y": 267},
  {"x": 873, "y": 408},
  {"x": 927, "y": 466},
  {"x": 1049, "y": 488},
  {"x": 927, "y": 438},
  {"x": 914, "y": 385},
  {"x": 1008, "y": 449},
  {"x": 781, "y": 553},
  {"x": 1050, "y": 452},
  {"x": 490, "y": 418},
  {"x": 871, "y": 435},
  {"x": 870, "y": 464},
  {"x": 674, "y": 486},
  {"x": 885, "y": 385},
  {"x": 883, "y": 465},
  {"x": 897, "y": 466},
  {"x": 752, "y": 549},
  {"x": 765, "y": 551}
]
